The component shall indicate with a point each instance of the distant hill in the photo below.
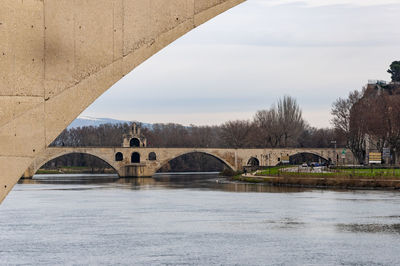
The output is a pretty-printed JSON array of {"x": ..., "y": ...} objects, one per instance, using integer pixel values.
[{"x": 86, "y": 121}]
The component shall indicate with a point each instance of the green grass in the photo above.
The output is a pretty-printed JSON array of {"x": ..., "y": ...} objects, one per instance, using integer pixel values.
[
  {"x": 371, "y": 172},
  {"x": 70, "y": 170},
  {"x": 75, "y": 167},
  {"x": 302, "y": 174},
  {"x": 247, "y": 179},
  {"x": 47, "y": 172},
  {"x": 357, "y": 172},
  {"x": 272, "y": 171}
]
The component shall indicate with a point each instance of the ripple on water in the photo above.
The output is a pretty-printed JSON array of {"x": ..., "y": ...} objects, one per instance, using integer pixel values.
[
  {"x": 194, "y": 220},
  {"x": 369, "y": 228}
]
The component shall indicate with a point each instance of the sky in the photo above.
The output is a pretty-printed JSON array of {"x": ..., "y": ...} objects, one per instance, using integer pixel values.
[{"x": 247, "y": 58}]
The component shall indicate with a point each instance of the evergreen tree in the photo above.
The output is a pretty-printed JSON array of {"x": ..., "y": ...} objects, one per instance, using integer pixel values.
[{"x": 395, "y": 71}]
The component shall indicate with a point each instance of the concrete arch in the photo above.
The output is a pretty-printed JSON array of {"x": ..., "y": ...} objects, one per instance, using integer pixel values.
[
  {"x": 38, "y": 163},
  {"x": 165, "y": 161},
  {"x": 71, "y": 54}
]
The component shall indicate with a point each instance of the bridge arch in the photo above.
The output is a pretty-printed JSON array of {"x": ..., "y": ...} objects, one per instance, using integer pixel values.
[
  {"x": 253, "y": 161},
  {"x": 37, "y": 164},
  {"x": 307, "y": 157},
  {"x": 219, "y": 158}
]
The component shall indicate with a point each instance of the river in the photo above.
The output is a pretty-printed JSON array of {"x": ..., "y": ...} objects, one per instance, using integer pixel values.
[{"x": 194, "y": 220}]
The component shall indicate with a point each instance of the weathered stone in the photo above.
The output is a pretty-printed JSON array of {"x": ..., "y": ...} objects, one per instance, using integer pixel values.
[{"x": 234, "y": 159}]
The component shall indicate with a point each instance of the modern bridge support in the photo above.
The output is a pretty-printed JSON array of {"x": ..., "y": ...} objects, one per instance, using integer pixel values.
[{"x": 58, "y": 56}]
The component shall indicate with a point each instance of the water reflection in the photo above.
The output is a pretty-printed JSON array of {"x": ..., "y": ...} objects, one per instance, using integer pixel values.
[
  {"x": 161, "y": 181},
  {"x": 70, "y": 179}
]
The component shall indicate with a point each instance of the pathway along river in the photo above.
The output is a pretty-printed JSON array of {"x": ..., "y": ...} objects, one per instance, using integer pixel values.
[{"x": 194, "y": 219}]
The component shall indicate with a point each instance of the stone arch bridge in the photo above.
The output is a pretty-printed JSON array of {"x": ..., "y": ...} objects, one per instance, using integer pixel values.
[{"x": 138, "y": 162}]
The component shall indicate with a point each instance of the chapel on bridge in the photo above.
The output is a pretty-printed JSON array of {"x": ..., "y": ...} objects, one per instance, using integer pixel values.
[{"x": 134, "y": 138}]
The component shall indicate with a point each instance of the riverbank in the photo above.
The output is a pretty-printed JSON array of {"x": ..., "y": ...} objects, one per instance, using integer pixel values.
[
  {"x": 75, "y": 170},
  {"x": 336, "y": 182}
]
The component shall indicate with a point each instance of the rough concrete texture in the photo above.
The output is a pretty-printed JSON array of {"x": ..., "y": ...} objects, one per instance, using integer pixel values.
[
  {"x": 232, "y": 158},
  {"x": 58, "y": 56}
]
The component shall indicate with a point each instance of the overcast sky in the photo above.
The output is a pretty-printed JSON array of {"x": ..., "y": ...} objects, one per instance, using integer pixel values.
[{"x": 245, "y": 59}]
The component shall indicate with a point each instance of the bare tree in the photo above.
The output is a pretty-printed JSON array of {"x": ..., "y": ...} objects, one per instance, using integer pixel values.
[
  {"x": 383, "y": 121},
  {"x": 356, "y": 137},
  {"x": 268, "y": 129},
  {"x": 312, "y": 137},
  {"x": 280, "y": 125},
  {"x": 341, "y": 111},
  {"x": 290, "y": 120},
  {"x": 348, "y": 120},
  {"x": 235, "y": 133}
]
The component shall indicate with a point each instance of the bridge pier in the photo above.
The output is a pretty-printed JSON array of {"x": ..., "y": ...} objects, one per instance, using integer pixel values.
[{"x": 137, "y": 170}]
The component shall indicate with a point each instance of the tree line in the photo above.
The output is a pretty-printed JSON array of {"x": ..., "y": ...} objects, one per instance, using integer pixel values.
[{"x": 282, "y": 125}]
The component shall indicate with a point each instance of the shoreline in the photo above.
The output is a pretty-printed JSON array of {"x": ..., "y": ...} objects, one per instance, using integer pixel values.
[
  {"x": 75, "y": 170},
  {"x": 324, "y": 182}
]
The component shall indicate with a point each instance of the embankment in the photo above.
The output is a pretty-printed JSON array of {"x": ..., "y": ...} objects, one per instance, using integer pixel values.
[
  {"x": 336, "y": 182},
  {"x": 76, "y": 170}
]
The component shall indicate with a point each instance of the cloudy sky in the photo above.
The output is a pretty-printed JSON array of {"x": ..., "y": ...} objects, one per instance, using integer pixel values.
[{"x": 245, "y": 59}]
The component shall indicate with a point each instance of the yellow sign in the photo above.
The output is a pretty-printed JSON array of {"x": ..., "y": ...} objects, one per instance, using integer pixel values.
[
  {"x": 375, "y": 157},
  {"x": 285, "y": 159}
]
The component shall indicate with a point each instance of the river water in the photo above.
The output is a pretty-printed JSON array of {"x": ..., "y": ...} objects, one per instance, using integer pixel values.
[{"x": 195, "y": 220}]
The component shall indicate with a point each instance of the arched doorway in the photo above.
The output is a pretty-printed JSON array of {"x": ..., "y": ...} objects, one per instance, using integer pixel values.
[
  {"x": 152, "y": 156},
  {"x": 253, "y": 162},
  {"x": 119, "y": 157},
  {"x": 135, "y": 158},
  {"x": 135, "y": 142}
]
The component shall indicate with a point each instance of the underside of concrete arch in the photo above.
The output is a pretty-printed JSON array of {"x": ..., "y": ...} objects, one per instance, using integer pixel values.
[{"x": 58, "y": 56}]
